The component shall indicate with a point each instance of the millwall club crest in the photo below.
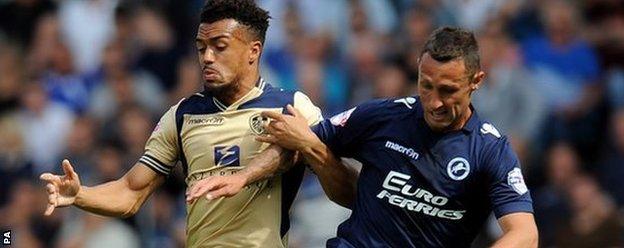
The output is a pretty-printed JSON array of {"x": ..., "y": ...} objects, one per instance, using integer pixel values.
[
  {"x": 458, "y": 168},
  {"x": 256, "y": 123}
]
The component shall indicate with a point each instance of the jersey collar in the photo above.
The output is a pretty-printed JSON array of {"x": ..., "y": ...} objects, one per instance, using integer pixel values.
[
  {"x": 253, "y": 93},
  {"x": 473, "y": 122}
]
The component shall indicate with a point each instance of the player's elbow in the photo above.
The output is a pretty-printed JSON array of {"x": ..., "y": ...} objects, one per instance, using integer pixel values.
[
  {"x": 130, "y": 209},
  {"x": 135, "y": 200},
  {"x": 526, "y": 238}
]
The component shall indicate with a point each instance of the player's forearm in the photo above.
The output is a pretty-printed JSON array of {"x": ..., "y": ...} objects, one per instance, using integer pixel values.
[
  {"x": 110, "y": 199},
  {"x": 518, "y": 239},
  {"x": 339, "y": 181},
  {"x": 273, "y": 161}
]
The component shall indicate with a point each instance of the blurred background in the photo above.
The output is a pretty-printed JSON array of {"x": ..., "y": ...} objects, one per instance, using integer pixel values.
[{"x": 88, "y": 79}]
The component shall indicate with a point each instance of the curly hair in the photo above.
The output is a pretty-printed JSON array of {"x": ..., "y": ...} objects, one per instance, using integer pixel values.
[
  {"x": 245, "y": 12},
  {"x": 450, "y": 43}
]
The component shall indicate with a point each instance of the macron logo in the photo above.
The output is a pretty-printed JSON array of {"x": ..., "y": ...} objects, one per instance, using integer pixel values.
[{"x": 399, "y": 148}]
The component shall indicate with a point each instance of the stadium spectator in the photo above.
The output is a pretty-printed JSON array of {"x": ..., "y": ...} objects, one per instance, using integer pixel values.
[
  {"x": 118, "y": 86},
  {"x": 45, "y": 126},
  {"x": 595, "y": 222},
  {"x": 566, "y": 71},
  {"x": 508, "y": 91},
  {"x": 86, "y": 26},
  {"x": 611, "y": 168},
  {"x": 64, "y": 84},
  {"x": 18, "y": 18}
]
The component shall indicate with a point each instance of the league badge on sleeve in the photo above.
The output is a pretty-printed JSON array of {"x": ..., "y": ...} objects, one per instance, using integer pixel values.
[
  {"x": 156, "y": 128},
  {"x": 516, "y": 181},
  {"x": 341, "y": 119}
]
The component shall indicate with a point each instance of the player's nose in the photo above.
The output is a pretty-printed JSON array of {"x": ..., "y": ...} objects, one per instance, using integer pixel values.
[
  {"x": 209, "y": 57},
  {"x": 435, "y": 103}
]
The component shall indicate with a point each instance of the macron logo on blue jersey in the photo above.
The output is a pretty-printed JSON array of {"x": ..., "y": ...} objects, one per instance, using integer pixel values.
[{"x": 402, "y": 149}]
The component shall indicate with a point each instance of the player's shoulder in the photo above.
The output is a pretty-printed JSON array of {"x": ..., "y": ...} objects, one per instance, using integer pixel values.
[
  {"x": 376, "y": 112},
  {"x": 198, "y": 102},
  {"x": 492, "y": 142},
  {"x": 271, "y": 97},
  {"x": 389, "y": 107}
]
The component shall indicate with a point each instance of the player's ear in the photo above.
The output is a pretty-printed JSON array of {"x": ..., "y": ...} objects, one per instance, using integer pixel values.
[
  {"x": 255, "y": 51},
  {"x": 476, "y": 80}
]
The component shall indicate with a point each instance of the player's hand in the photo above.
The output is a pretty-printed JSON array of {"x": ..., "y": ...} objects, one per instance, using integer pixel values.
[
  {"x": 216, "y": 186},
  {"x": 62, "y": 190},
  {"x": 289, "y": 131}
]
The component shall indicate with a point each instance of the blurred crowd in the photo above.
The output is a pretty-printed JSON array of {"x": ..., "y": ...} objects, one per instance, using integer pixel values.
[{"x": 88, "y": 79}]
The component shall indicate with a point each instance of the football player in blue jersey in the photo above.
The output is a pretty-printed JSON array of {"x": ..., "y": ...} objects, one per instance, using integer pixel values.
[{"x": 432, "y": 170}]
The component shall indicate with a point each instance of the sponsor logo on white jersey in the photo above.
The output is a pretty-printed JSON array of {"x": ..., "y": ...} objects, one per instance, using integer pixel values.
[{"x": 516, "y": 181}]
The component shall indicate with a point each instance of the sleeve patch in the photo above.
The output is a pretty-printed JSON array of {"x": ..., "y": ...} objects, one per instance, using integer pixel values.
[
  {"x": 516, "y": 181},
  {"x": 341, "y": 119}
]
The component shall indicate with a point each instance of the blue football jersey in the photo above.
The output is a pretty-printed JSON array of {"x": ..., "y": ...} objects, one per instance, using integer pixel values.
[{"x": 420, "y": 188}]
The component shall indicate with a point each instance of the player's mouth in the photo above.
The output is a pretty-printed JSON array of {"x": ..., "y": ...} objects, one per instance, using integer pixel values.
[
  {"x": 439, "y": 115},
  {"x": 210, "y": 74}
]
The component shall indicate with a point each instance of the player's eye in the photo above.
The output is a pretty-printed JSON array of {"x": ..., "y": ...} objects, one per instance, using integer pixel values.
[
  {"x": 201, "y": 49},
  {"x": 448, "y": 91},
  {"x": 221, "y": 47},
  {"x": 426, "y": 85}
]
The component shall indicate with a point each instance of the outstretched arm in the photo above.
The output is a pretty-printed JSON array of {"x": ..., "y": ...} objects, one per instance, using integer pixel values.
[{"x": 120, "y": 198}]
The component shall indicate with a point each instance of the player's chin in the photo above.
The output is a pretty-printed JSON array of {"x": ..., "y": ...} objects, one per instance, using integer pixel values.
[
  {"x": 215, "y": 85},
  {"x": 438, "y": 124}
]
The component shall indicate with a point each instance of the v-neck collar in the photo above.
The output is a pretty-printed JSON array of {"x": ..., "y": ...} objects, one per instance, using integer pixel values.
[{"x": 253, "y": 93}]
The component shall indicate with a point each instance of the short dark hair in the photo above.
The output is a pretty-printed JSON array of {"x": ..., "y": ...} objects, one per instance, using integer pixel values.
[
  {"x": 450, "y": 43},
  {"x": 245, "y": 12}
]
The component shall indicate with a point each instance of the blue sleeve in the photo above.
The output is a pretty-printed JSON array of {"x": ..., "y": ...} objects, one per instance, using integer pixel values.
[
  {"x": 508, "y": 192},
  {"x": 345, "y": 132}
]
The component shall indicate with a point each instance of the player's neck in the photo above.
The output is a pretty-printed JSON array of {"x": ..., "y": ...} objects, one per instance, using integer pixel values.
[{"x": 240, "y": 90}]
